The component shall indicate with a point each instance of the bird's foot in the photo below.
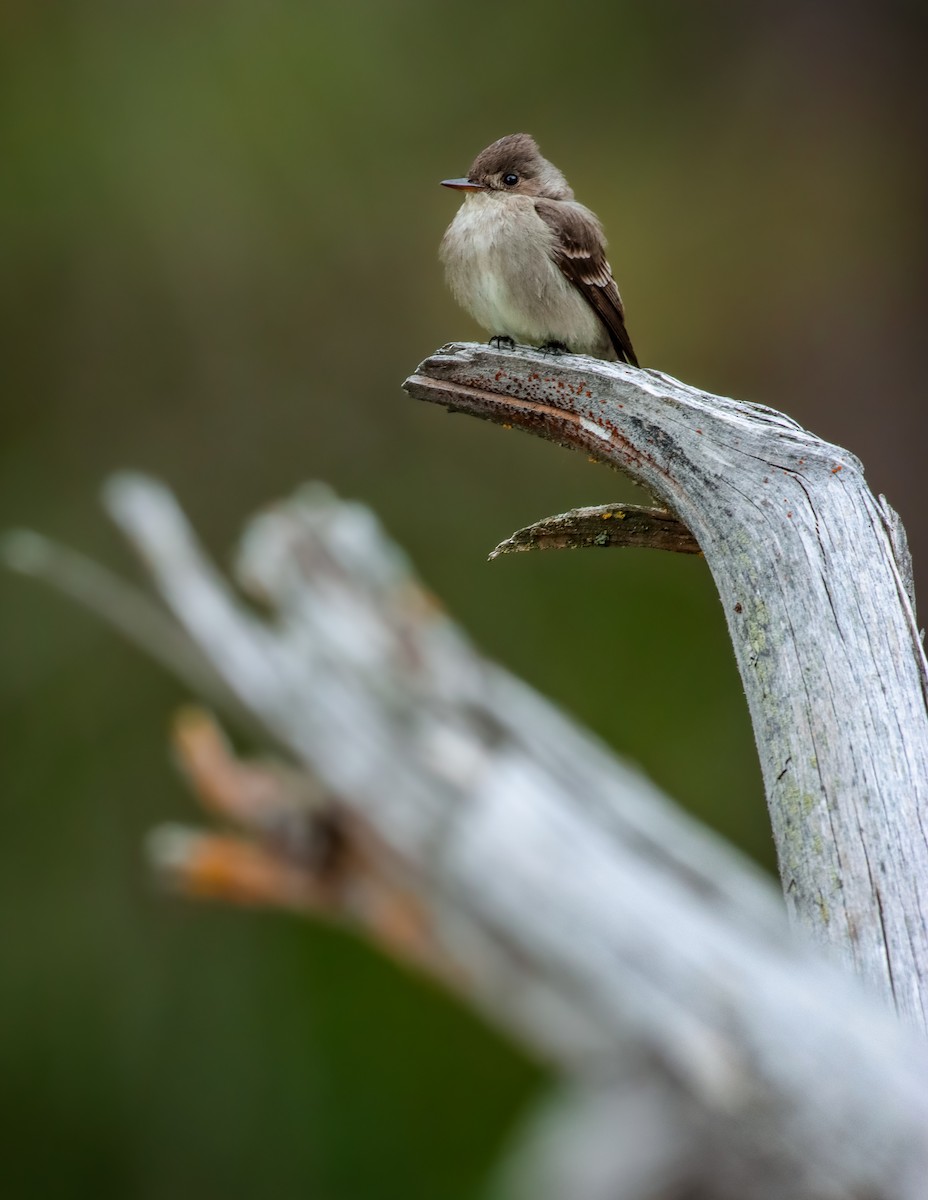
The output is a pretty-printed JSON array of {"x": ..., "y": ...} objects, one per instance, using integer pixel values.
[
  {"x": 554, "y": 348},
  {"x": 501, "y": 341}
]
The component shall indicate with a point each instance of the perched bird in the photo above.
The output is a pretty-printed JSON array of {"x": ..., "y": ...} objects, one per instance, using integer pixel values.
[{"x": 528, "y": 262}]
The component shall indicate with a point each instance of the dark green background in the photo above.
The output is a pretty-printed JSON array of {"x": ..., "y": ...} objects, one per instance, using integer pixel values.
[{"x": 219, "y": 233}]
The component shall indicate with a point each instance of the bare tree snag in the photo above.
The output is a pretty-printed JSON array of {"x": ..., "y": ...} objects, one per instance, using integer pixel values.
[{"x": 814, "y": 578}]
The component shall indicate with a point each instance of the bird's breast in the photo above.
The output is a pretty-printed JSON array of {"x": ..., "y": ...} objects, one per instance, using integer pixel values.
[{"x": 497, "y": 256}]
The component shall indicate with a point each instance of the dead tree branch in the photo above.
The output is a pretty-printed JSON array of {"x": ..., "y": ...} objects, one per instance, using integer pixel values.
[{"x": 813, "y": 574}]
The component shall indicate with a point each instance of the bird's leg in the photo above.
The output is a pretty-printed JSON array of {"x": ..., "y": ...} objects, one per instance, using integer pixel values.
[
  {"x": 501, "y": 341},
  {"x": 554, "y": 348}
]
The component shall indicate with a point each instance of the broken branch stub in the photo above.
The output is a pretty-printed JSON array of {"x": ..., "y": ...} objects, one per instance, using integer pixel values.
[{"x": 603, "y": 525}]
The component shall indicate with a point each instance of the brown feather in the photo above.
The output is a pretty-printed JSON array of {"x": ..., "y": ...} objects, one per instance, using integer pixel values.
[
  {"x": 579, "y": 251},
  {"x": 516, "y": 152}
]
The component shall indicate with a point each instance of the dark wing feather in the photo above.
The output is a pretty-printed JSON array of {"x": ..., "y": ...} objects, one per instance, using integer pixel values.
[{"x": 579, "y": 251}]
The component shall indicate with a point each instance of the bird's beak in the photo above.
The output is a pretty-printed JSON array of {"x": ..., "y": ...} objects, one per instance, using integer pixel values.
[{"x": 463, "y": 185}]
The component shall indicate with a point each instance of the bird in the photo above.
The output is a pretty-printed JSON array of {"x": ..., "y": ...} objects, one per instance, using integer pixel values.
[{"x": 528, "y": 262}]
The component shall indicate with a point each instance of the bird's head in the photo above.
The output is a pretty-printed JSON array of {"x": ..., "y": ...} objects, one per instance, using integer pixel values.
[{"x": 513, "y": 165}]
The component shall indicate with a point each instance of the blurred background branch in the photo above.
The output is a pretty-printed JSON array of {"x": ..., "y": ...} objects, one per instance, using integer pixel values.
[{"x": 466, "y": 827}]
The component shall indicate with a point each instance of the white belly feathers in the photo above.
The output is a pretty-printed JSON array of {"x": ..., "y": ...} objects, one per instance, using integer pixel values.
[{"x": 497, "y": 258}]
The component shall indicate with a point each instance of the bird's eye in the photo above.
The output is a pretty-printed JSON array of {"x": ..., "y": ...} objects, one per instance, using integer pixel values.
[{"x": 510, "y": 180}]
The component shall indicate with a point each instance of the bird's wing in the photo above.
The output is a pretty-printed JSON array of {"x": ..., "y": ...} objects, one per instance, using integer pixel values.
[{"x": 579, "y": 251}]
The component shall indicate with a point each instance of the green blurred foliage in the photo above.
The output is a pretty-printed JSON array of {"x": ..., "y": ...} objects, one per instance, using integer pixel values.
[{"x": 218, "y": 262}]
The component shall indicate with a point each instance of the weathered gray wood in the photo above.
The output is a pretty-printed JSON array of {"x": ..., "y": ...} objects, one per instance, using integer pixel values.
[
  {"x": 812, "y": 574},
  {"x": 586, "y": 914}
]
